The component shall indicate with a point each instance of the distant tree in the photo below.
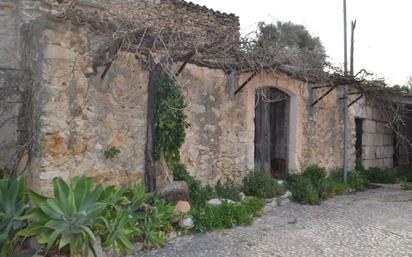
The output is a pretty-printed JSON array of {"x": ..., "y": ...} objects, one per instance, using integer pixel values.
[
  {"x": 409, "y": 83},
  {"x": 293, "y": 43}
]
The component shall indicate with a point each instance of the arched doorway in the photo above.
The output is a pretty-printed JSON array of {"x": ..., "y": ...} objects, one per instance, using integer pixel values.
[{"x": 272, "y": 131}]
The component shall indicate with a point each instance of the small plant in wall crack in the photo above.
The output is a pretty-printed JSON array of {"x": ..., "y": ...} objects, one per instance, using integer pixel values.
[{"x": 111, "y": 152}]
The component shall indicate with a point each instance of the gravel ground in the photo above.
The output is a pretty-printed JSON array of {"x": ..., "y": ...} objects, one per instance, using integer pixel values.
[{"x": 376, "y": 222}]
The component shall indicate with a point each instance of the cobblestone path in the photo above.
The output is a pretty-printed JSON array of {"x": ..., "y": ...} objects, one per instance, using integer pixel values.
[{"x": 373, "y": 223}]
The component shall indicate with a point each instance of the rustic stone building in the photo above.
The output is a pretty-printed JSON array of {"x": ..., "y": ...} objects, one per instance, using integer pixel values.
[{"x": 62, "y": 112}]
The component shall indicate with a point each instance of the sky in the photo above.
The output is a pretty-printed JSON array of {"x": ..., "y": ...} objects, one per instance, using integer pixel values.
[{"x": 383, "y": 38}]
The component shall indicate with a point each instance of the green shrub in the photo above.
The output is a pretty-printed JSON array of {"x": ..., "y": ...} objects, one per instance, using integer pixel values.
[
  {"x": 253, "y": 205},
  {"x": 335, "y": 187},
  {"x": 13, "y": 205},
  {"x": 261, "y": 184},
  {"x": 156, "y": 223},
  {"x": 228, "y": 190},
  {"x": 68, "y": 218},
  {"x": 356, "y": 181},
  {"x": 226, "y": 215},
  {"x": 302, "y": 189},
  {"x": 406, "y": 174},
  {"x": 317, "y": 176},
  {"x": 79, "y": 211},
  {"x": 117, "y": 228},
  {"x": 170, "y": 119},
  {"x": 378, "y": 175},
  {"x": 198, "y": 194}
]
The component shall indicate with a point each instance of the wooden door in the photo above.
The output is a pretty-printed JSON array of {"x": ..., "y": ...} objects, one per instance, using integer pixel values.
[{"x": 271, "y": 131}]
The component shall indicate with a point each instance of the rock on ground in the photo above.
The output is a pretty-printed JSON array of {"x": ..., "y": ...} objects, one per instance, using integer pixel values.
[{"x": 176, "y": 191}]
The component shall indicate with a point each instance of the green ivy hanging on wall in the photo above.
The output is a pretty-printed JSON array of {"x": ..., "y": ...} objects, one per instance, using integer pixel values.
[{"x": 170, "y": 120}]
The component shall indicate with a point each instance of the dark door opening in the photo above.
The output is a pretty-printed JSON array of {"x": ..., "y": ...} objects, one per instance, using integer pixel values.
[
  {"x": 271, "y": 131},
  {"x": 358, "y": 143},
  {"x": 396, "y": 151}
]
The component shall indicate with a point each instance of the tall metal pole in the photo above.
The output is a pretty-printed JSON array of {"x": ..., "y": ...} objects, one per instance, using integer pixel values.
[{"x": 345, "y": 100}]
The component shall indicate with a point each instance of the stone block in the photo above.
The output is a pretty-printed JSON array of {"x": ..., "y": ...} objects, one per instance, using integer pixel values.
[
  {"x": 370, "y": 163},
  {"x": 387, "y": 130},
  {"x": 368, "y": 139},
  {"x": 378, "y": 139},
  {"x": 58, "y": 52},
  {"x": 368, "y": 152},
  {"x": 9, "y": 53},
  {"x": 384, "y": 152},
  {"x": 387, "y": 139},
  {"x": 8, "y": 16},
  {"x": 380, "y": 127},
  {"x": 388, "y": 163},
  {"x": 369, "y": 126}
]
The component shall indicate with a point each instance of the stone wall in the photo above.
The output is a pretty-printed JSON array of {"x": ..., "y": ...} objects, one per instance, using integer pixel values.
[
  {"x": 217, "y": 143},
  {"x": 69, "y": 117},
  {"x": 13, "y": 14},
  {"x": 315, "y": 133},
  {"x": 73, "y": 118},
  {"x": 9, "y": 74},
  {"x": 377, "y": 137}
]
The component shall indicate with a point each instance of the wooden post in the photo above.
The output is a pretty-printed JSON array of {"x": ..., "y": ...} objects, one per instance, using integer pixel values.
[{"x": 150, "y": 175}]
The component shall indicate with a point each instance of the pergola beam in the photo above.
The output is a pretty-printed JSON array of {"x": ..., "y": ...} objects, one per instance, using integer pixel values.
[
  {"x": 324, "y": 95},
  {"x": 354, "y": 101},
  {"x": 246, "y": 82}
]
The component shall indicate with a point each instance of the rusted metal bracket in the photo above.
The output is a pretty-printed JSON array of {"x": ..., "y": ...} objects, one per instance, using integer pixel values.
[
  {"x": 324, "y": 95},
  {"x": 354, "y": 101},
  {"x": 246, "y": 82}
]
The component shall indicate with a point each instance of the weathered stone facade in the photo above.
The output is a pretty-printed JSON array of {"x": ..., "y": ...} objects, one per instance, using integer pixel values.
[
  {"x": 75, "y": 118},
  {"x": 65, "y": 115},
  {"x": 377, "y": 137}
]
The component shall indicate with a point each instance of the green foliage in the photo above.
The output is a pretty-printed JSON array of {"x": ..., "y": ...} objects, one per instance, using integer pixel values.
[
  {"x": 356, "y": 181},
  {"x": 253, "y": 205},
  {"x": 335, "y": 187},
  {"x": 68, "y": 218},
  {"x": 156, "y": 223},
  {"x": 359, "y": 166},
  {"x": 198, "y": 194},
  {"x": 226, "y": 215},
  {"x": 317, "y": 176},
  {"x": 13, "y": 205},
  {"x": 228, "y": 190},
  {"x": 378, "y": 175},
  {"x": 170, "y": 119},
  {"x": 153, "y": 237},
  {"x": 111, "y": 152},
  {"x": 79, "y": 211},
  {"x": 117, "y": 229},
  {"x": 302, "y": 189},
  {"x": 292, "y": 40},
  {"x": 406, "y": 174},
  {"x": 261, "y": 184}
]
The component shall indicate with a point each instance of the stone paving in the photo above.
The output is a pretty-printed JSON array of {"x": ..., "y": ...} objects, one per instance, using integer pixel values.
[{"x": 376, "y": 222}]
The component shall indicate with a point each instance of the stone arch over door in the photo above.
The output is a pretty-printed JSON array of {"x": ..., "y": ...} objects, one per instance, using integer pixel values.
[{"x": 298, "y": 93}]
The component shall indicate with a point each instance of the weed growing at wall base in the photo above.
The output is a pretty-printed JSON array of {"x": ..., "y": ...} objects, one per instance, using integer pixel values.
[{"x": 262, "y": 185}]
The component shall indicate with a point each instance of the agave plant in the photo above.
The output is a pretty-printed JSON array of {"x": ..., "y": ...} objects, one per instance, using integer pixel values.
[
  {"x": 13, "y": 205},
  {"x": 67, "y": 219},
  {"x": 117, "y": 229}
]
